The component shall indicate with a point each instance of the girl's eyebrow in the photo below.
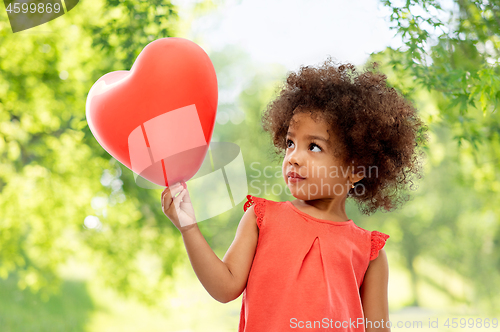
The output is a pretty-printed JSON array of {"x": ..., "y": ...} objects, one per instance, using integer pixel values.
[{"x": 290, "y": 134}]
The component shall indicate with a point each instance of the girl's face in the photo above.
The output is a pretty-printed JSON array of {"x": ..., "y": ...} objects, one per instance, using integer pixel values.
[{"x": 309, "y": 154}]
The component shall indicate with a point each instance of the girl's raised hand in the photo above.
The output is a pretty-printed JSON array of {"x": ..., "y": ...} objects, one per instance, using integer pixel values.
[{"x": 178, "y": 209}]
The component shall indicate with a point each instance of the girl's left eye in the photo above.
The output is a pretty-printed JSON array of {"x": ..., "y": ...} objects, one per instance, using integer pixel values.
[{"x": 313, "y": 144}]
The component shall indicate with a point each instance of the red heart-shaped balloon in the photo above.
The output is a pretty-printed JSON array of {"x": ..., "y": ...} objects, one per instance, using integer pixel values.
[{"x": 158, "y": 118}]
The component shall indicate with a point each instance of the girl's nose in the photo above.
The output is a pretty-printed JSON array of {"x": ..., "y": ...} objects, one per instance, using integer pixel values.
[{"x": 295, "y": 157}]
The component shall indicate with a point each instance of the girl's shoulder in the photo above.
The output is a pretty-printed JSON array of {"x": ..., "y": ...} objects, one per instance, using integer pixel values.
[
  {"x": 261, "y": 205},
  {"x": 254, "y": 200},
  {"x": 378, "y": 240}
]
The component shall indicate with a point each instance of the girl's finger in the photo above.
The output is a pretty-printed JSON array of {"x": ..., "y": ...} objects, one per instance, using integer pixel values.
[
  {"x": 173, "y": 190},
  {"x": 170, "y": 187},
  {"x": 186, "y": 198},
  {"x": 170, "y": 197},
  {"x": 164, "y": 192},
  {"x": 176, "y": 189},
  {"x": 166, "y": 200},
  {"x": 179, "y": 197},
  {"x": 167, "y": 197}
]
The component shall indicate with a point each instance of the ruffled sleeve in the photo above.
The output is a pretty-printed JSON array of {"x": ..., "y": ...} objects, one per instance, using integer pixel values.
[
  {"x": 378, "y": 241},
  {"x": 260, "y": 206}
]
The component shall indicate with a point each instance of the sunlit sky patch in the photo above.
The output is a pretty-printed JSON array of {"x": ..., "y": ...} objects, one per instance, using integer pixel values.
[{"x": 295, "y": 32}]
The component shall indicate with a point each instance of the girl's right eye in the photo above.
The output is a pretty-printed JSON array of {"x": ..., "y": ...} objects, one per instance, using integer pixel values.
[{"x": 287, "y": 143}]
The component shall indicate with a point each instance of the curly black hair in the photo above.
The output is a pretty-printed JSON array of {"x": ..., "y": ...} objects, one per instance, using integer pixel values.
[{"x": 374, "y": 124}]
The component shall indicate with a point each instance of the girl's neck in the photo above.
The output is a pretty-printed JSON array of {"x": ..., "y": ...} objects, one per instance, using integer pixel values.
[{"x": 327, "y": 208}]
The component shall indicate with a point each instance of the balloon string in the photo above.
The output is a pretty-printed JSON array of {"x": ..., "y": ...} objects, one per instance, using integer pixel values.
[
  {"x": 144, "y": 134},
  {"x": 164, "y": 172}
]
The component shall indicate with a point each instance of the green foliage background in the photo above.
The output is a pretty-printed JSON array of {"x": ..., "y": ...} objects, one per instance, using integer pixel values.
[
  {"x": 53, "y": 173},
  {"x": 52, "y": 166}
]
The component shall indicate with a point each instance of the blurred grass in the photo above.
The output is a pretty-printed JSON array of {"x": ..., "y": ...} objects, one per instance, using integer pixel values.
[
  {"x": 87, "y": 306},
  {"x": 23, "y": 311},
  {"x": 190, "y": 308}
]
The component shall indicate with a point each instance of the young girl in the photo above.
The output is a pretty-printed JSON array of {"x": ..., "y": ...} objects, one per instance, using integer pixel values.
[{"x": 305, "y": 263}]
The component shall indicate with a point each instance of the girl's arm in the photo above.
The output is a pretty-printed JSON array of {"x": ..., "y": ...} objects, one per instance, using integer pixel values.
[
  {"x": 239, "y": 256},
  {"x": 374, "y": 294},
  {"x": 224, "y": 280}
]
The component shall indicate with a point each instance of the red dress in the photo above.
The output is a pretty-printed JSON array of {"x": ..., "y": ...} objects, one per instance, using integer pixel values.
[{"x": 306, "y": 272}]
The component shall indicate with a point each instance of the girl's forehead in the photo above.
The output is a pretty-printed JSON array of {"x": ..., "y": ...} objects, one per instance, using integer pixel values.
[
  {"x": 304, "y": 124},
  {"x": 304, "y": 120}
]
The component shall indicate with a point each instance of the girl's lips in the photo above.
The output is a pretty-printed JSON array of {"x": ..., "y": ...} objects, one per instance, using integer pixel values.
[{"x": 294, "y": 180}]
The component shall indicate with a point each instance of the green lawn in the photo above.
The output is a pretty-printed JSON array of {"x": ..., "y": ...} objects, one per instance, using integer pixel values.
[{"x": 22, "y": 311}]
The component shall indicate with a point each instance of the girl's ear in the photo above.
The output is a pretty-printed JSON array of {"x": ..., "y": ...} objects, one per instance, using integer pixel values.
[
  {"x": 355, "y": 177},
  {"x": 356, "y": 174}
]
